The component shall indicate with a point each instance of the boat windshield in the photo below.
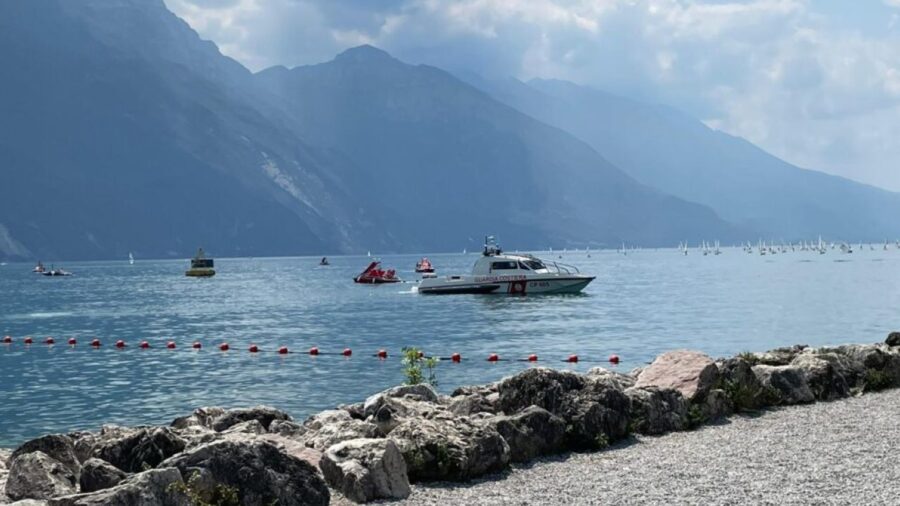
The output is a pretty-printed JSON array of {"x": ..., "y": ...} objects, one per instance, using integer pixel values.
[{"x": 202, "y": 263}]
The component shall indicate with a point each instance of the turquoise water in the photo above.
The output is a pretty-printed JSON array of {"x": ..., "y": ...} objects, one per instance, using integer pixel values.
[{"x": 640, "y": 305}]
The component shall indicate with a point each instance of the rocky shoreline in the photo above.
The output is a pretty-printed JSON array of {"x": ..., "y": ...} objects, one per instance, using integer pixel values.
[{"x": 408, "y": 434}]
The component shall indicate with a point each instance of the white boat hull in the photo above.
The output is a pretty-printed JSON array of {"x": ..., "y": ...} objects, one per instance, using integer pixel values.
[{"x": 506, "y": 285}]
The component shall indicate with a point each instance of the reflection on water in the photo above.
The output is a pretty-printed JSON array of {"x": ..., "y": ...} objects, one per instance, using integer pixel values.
[{"x": 639, "y": 306}]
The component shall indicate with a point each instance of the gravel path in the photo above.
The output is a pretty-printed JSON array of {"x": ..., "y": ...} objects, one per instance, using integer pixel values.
[{"x": 843, "y": 452}]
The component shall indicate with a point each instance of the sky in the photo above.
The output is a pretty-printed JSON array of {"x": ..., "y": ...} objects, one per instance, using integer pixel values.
[{"x": 815, "y": 82}]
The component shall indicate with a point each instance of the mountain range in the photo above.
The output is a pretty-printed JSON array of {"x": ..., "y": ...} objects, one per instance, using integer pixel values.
[{"x": 122, "y": 131}]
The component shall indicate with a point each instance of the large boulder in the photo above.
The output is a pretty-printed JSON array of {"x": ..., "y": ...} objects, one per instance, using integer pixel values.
[
  {"x": 784, "y": 384},
  {"x": 420, "y": 392},
  {"x": 691, "y": 373},
  {"x": 98, "y": 474},
  {"x": 595, "y": 412},
  {"x": 56, "y": 446},
  {"x": 387, "y": 412},
  {"x": 450, "y": 448},
  {"x": 366, "y": 469},
  {"x": 156, "y": 487},
  {"x": 741, "y": 384},
  {"x": 614, "y": 379},
  {"x": 260, "y": 472},
  {"x": 134, "y": 451},
  {"x": 471, "y": 400},
  {"x": 823, "y": 376},
  {"x": 201, "y": 417},
  {"x": 262, "y": 414},
  {"x": 657, "y": 410},
  {"x": 893, "y": 339},
  {"x": 778, "y": 356},
  {"x": 531, "y": 433},
  {"x": 35, "y": 475},
  {"x": 334, "y": 426}
]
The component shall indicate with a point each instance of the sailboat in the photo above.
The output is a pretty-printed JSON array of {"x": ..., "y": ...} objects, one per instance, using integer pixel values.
[{"x": 130, "y": 258}]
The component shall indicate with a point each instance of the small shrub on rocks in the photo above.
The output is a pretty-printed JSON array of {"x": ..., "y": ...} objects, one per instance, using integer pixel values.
[
  {"x": 876, "y": 380},
  {"x": 222, "y": 495},
  {"x": 748, "y": 357},
  {"x": 413, "y": 363}
]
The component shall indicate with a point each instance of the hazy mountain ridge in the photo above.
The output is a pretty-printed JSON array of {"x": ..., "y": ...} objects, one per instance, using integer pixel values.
[
  {"x": 124, "y": 131},
  {"x": 680, "y": 155}
]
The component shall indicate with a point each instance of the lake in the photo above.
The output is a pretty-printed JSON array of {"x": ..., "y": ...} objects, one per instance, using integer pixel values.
[{"x": 640, "y": 305}]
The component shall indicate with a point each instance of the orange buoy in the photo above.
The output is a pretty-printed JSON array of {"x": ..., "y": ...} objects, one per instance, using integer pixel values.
[
  {"x": 196, "y": 345},
  {"x": 144, "y": 345},
  {"x": 95, "y": 343},
  {"x": 72, "y": 341},
  {"x": 456, "y": 357},
  {"x": 381, "y": 354},
  {"x": 313, "y": 351},
  {"x": 49, "y": 340},
  {"x": 572, "y": 359},
  {"x": 283, "y": 350},
  {"x": 347, "y": 352},
  {"x": 170, "y": 345},
  {"x": 493, "y": 357},
  {"x": 7, "y": 339},
  {"x": 532, "y": 358},
  {"x": 224, "y": 347},
  {"x": 120, "y": 344},
  {"x": 28, "y": 340},
  {"x": 614, "y": 359},
  {"x": 253, "y": 348}
]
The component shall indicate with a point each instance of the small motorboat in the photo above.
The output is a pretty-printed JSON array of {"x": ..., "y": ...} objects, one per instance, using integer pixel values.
[
  {"x": 56, "y": 272},
  {"x": 324, "y": 261},
  {"x": 424, "y": 265},
  {"x": 517, "y": 274},
  {"x": 201, "y": 267},
  {"x": 39, "y": 268},
  {"x": 375, "y": 275}
]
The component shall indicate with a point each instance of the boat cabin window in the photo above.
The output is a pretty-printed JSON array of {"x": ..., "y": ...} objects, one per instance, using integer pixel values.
[
  {"x": 202, "y": 263},
  {"x": 535, "y": 264},
  {"x": 500, "y": 266}
]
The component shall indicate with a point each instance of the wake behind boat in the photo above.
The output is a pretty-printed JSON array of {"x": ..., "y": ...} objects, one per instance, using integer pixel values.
[{"x": 518, "y": 274}]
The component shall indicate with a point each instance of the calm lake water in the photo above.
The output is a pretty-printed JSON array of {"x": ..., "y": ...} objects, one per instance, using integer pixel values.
[{"x": 640, "y": 305}]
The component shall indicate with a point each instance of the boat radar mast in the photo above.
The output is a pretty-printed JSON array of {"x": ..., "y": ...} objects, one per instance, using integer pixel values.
[{"x": 491, "y": 248}]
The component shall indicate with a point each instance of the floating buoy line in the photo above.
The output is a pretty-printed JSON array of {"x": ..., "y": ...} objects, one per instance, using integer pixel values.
[{"x": 380, "y": 354}]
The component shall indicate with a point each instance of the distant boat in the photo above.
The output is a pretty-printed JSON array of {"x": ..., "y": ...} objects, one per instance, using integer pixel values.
[
  {"x": 39, "y": 268},
  {"x": 56, "y": 272},
  {"x": 130, "y": 258},
  {"x": 368, "y": 253},
  {"x": 424, "y": 265},
  {"x": 324, "y": 261},
  {"x": 464, "y": 251},
  {"x": 201, "y": 267}
]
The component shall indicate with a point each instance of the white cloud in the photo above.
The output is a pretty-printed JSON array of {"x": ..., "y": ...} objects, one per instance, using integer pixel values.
[{"x": 785, "y": 74}]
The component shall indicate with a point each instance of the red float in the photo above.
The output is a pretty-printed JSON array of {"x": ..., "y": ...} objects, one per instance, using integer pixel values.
[
  {"x": 381, "y": 354},
  {"x": 95, "y": 343},
  {"x": 614, "y": 359},
  {"x": 532, "y": 358},
  {"x": 283, "y": 350},
  {"x": 456, "y": 357},
  {"x": 28, "y": 340},
  {"x": 196, "y": 345},
  {"x": 7, "y": 339},
  {"x": 313, "y": 351},
  {"x": 253, "y": 348},
  {"x": 72, "y": 341},
  {"x": 144, "y": 345},
  {"x": 572, "y": 359},
  {"x": 347, "y": 352},
  {"x": 49, "y": 340},
  {"x": 120, "y": 344},
  {"x": 170, "y": 345},
  {"x": 224, "y": 347},
  {"x": 493, "y": 357}
]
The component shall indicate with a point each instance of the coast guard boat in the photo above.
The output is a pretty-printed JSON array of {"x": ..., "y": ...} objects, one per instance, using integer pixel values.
[{"x": 501, "y": 273}]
